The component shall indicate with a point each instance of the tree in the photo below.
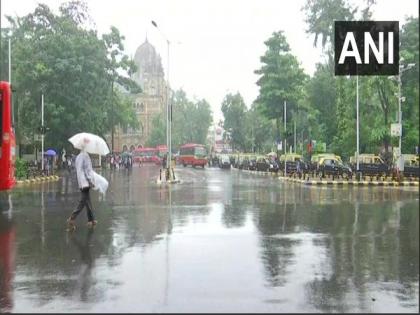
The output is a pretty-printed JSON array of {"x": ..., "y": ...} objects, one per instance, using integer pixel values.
[
  {"x": 158, "y": 134},
  {"x": 282, "y": 79},
  {"x": 234, "y": 112},
  {"x": 63, "y": 58},
  {"x": 190, "y": 121},
  {"x": 409, "y": 51},
  {"x": 260, "y": 130}
]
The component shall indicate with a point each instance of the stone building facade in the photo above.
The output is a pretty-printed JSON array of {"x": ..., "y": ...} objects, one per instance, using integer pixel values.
[{"x": 150, "y": 76}]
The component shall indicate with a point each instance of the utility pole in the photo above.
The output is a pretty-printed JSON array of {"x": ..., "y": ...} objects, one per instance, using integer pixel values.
[
  {"x": 42, "y": 132},
  {"x": 294, "y": 144},
  {"x": 399, "y": 110},
  {"x": 169, "y": 170},
  {"x": 112, "y": 115},
  {"x": 357, "y": 122},
  {"x": 169, "y": 120},
  {"x": 285, "y": 137}
]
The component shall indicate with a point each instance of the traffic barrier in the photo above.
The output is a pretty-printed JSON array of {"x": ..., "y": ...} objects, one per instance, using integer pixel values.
[
  {"x": 347, "y": 182},
  {"x": 38, "y": 179}
]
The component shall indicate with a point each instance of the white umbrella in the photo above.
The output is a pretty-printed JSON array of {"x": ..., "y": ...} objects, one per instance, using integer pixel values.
[
  {"x": 272, "y": 154},
  {"x": 91, "y": 143}
]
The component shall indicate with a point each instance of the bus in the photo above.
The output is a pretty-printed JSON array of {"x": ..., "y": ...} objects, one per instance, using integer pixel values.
[
  {"x": 193, "y": 154},
  {"x": 145, "y": 155},
  {"x": 161, "y": 150},
  {"x": 7, "y": 139}
]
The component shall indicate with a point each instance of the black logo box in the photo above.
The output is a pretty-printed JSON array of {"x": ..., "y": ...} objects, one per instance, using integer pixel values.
[{"x": 358, "y": 28}]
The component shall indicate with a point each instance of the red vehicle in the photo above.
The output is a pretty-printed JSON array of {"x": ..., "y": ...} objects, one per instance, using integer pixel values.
[
  {"x": 146, "y": 155},
  {"x": 193, "y": 154},
  {"x": 7, "y": 262},
  {"x": 7, "y": 139}
]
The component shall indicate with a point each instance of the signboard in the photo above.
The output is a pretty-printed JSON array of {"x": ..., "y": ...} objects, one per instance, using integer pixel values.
[
  {"x": 280, "y": 146},
  {"x": 395, "y": 130}
]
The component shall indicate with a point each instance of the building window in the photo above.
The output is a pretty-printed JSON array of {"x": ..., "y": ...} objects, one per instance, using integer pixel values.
[{"x": 141, "y": 108}]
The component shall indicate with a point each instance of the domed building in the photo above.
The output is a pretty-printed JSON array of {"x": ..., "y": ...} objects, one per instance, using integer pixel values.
[{"x": 148, "y": 103}]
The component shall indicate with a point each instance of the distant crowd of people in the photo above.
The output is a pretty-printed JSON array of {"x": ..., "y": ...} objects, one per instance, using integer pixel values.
[{"x": 118, "y": 161}]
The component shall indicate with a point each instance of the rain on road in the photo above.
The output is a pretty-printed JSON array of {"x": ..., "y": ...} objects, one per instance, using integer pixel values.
[{"x": 220, "y": 241}]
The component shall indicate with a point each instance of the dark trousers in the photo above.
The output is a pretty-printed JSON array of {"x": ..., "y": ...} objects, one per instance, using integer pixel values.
[{"x": 84, "y": 201}]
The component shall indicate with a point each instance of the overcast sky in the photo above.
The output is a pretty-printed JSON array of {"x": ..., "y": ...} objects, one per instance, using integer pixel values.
[{"x": 216, "y": 45}]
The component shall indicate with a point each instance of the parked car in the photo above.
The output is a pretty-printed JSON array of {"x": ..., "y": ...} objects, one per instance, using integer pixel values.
[
  {"x": 224, "y": 161},
  {"x": 274, "y": 165},
  {"x": 291, "y": 160},
  {"x": 333, "y": 166},
  {"x": 370, "y": 164},
  {"x": 250, "y": 163},
  {"x": 262, "y": 164},
  {"x": 313, "y": 163},
  {"x": 411, "y": 165},
  {"x": 242, "y": 160}
]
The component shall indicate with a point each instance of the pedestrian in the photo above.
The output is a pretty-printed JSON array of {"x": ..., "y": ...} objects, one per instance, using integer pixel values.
[
  {"x": 165, "y": 157},
  {"x": 111, "y": 162},
  {"x": 298, "y": 169},
  {"x": 85, "y": 179}
]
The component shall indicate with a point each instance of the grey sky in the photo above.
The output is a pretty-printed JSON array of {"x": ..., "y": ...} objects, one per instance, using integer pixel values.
[{"x": 216, "y": 45}]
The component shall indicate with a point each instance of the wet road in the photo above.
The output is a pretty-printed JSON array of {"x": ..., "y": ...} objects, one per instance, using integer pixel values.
[{"x": 221, "y": 241}]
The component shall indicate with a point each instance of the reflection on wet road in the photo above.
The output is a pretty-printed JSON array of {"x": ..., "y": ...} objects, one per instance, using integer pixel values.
[{"x": 220, "y": 241}]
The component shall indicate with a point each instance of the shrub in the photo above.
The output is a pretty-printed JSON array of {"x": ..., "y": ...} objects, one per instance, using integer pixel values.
[{"x": 21, "y": 168}]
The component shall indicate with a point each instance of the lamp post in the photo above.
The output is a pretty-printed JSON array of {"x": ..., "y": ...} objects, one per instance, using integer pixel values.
[
  {"x": 168, "y": 114},
  {"x": 401, "y": 69},
  {"x": 285, "y": 139}
]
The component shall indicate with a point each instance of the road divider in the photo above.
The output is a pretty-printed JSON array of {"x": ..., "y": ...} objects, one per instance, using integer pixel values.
[
  {"x": 38, "y": 179},
  {"x": 312, "y": 182}
]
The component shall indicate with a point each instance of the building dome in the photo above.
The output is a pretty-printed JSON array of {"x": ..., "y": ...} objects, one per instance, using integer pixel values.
[{"x": 148, "y": 61}]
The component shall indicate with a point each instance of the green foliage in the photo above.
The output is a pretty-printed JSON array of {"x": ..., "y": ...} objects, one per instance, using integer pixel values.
[
  {"x": 21, "y": 168},
  {"x": 234, "y": 111},
  {"x": 320, "y": 17},
  {"x": 282, "y": 79},
  {"x": 190, "y": 122},
  {"x": 331, "y": 100},
  {"x": 62, "y": 57},
  {"x": 158, "y": 134}
]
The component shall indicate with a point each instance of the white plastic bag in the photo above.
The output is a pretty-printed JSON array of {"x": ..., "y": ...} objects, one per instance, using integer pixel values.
[{"x": 101, "y": 183}]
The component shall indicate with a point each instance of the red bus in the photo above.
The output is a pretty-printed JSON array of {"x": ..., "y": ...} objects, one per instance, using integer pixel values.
[
  {"x": 7, "y": 139},
  {"x": 7, "y": 262},
  {"x": 146, "y": 155},
  {"x": 193, "y": 154}
]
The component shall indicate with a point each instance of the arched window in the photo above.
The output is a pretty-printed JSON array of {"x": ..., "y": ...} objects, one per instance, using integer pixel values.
[
  {"x": 124, "y": 147},
  {"x": 132, "y": 148}
]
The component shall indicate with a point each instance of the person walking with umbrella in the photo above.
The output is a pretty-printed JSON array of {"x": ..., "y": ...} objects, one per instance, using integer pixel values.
[
  {"x": 86, "y": 177},
  {"x": 85, "y": 180}
]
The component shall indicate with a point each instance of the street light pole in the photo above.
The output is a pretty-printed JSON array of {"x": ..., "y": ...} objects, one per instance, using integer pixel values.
[
  {"x": 357, "y": 122},
  {"x": 401, "y": 69},
  {"x": 399, "y": 110},
  {"x": 169, "y": 115},
  {"x": 285, "y": 137},
  {"x": 112, "y": 115},
  {"x": 42, "y": 132},
  {"x": 169, "y": 171}
]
